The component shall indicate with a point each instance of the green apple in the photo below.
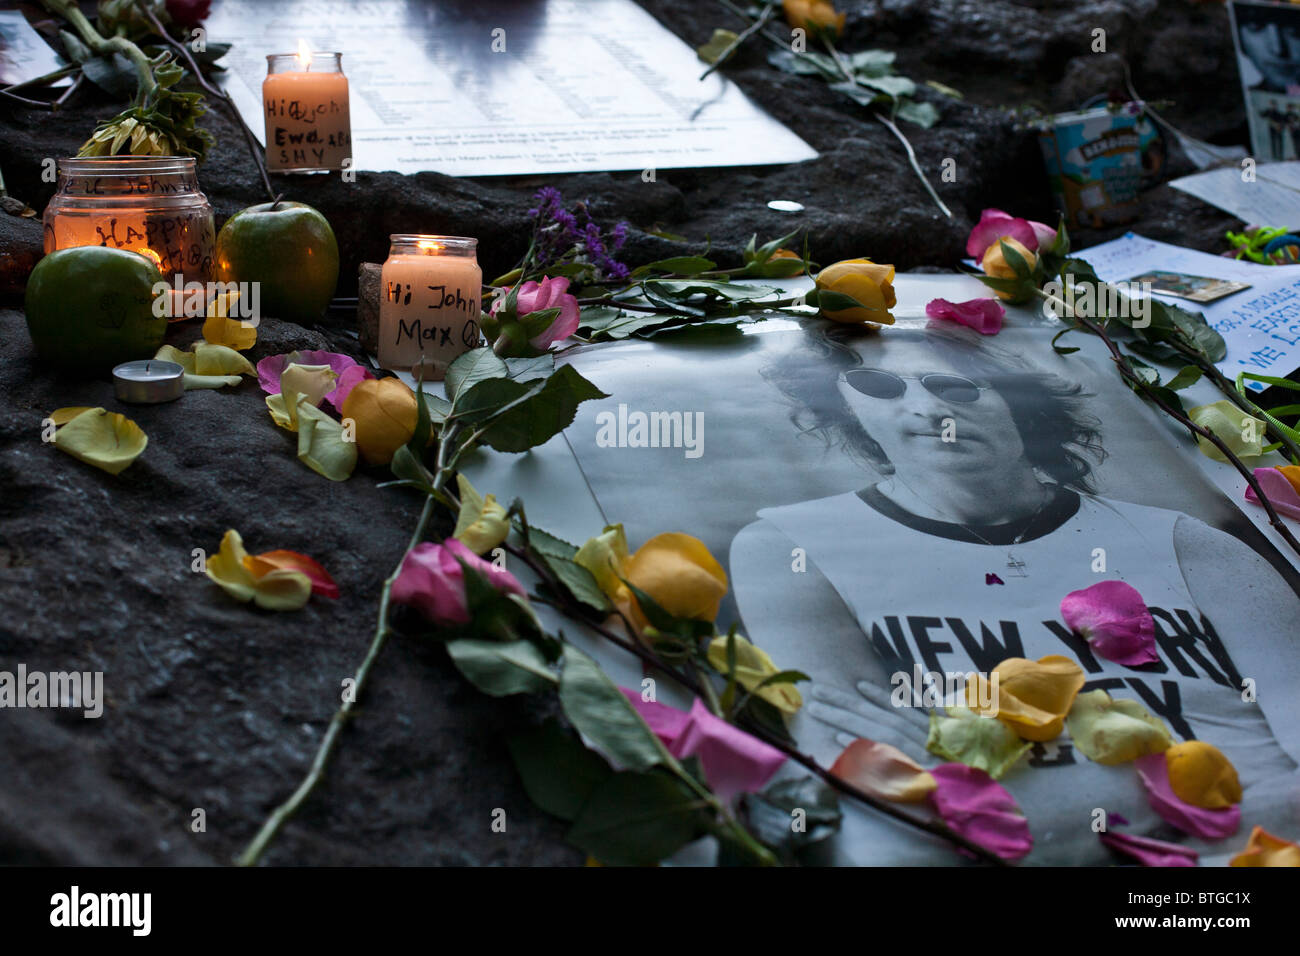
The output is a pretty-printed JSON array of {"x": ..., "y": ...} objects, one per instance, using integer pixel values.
[
  {"x": 287, "y": 247},
  {"x": 90, "y": 307}
]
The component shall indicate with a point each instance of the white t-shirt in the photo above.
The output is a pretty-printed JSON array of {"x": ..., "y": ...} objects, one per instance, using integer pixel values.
[{"x": 925, "y": 599}]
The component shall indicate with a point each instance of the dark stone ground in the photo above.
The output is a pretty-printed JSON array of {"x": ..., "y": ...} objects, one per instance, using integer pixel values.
[{"x": 218, "y": 706}]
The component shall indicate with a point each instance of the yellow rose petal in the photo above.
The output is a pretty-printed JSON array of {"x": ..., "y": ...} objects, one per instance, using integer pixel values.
[
  {"x": 212, "y": 359},
  {"x": 1111, "y": 731},
  {"x": 482, "y": 523},
  {"x": 1264, "y": 849},
  {"x": 218, "y": 329},
  {"x": 321, "y": 445},
  {"x": 105, "y": 439},
  {"x": 1242, "y": 433},
  {"x": 965, "y": 737},
  {"x": 753, "y": 666},
  {"x": 1201, "y": 775},
  {"x": 61, "y": 416},
  {"x": 606, "y": 557},
  {"x": 278, "y": 590},
  {"x": 1032, "y": 697}
]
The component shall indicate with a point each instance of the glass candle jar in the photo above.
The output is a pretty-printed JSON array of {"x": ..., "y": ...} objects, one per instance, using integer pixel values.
[
  {"x": 148, "y": 204},
  {"x": 429, "y": 305},
  {"x": 305, "y": 102}
]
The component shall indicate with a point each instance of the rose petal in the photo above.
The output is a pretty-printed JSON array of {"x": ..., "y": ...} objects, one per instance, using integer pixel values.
[
  {"x": 995, "y": 224},
  {"x": 1264, "y": 849},
  {"x": 219, "y": 329},
  {"x": 481, "y": 523},
  {"x": 1281, "y": 492},
  {"x": 982, "y": 315},
  {"x": 432, "y": 580},
  {"x": 272, "y": 367},
  {"x": 1112, "y": 731},
  {"x": 979, "y": 808},
  {"x": 1147, "y": 851},
  {"x": 280, "y": 589},
  {"x": 733, "y": 761},
  {"x": 1231, "y": 425},
  {"x": 321, "y": 582},
  {"x": 349, "y": 378},
  {"x": 753, "y": 666},
  {"x": 1043, "y": 233},
  {"x": 1200, "y": 774},
  {"x": 965, "y": 737},
  {"x": 108, "y": 440},
  {"x": 1114, "y": 619},
  {"x": 883, "y": 771},
  {"x": 1209, "y": 824},
  {"x": 1032, "y": 697}
]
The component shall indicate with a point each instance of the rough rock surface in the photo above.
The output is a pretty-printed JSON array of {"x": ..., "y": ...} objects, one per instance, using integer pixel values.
[{"x": 217, "y": 706}]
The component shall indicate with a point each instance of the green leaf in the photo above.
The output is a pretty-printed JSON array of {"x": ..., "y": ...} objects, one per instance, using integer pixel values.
[
  {"x": 872, "y": 63},
  {"x": 502, "y": 668},
  {"x": 924, "y": 115},
  {"x": 472, "y": 367},
  {"x": 112, "y": 73},
  {"x": 579, "y": 582},
  {"x": 490, "y": 396},
  {"x": 806, "y": 64},
  {"x": 895, "y": 87},
  {"x": 599, "y": 711},
  {"x": 420, "y": 437},
  {"x": 559, "y": 773},
  {"x": 1187, "y": 375},
  {"x": 830, "y": 301},
  {"x": 77, "y": 51},
  {"x": 543, "y": 415},
  {"x": 549, "y": 546},
  {"x": 769, "y": 815},
  {"x": 1015, "y": 260},
  {"x": 436, "y": 408},
  {"x": 862, "y": 95},
  {"x": 678, "y": 265},
  {"x": 638, "y": 819},
  {"x": 407, "y": 466},
  {"x": 528, "y": 369}
]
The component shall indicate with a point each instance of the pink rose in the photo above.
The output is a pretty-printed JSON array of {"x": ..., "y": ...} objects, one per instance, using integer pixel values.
[
  {"x": 548, "y": 294},
  {"x": 982, "y": 315},
  {"x": 995, "y": 224},
  {"x": 433, "y": 581}
]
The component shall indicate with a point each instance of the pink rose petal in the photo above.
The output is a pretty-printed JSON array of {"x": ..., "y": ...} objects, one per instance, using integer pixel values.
[
  {"x": 995, "y": 224},
  {"x": 979, "y": 808},
  {"x": 1044, "y": 233},
  {"x": 1149, "y": 852},
  {"x": 982, "y": 315},
  {"x": 349, "y": 378},
  {"x": 550, "y": 293},
  {"x": 733, "y": 761},
  {"x": 1210, "y": 824},
  {"x": 1281, "y": 493},
  {"x": 1114, "y": 619},
  {"x": 272, "y": 367}
]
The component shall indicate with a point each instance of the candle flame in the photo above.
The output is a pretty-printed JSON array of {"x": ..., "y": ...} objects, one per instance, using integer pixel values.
[
  {"x": 428, "y": 246},
  {"x": 304, "y": 55}
]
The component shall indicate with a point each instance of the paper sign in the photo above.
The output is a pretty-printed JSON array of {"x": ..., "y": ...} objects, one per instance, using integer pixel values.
[
  {"x": 1270, "y": 197},
  {"x": 23, "y": 54},
  {"x": 493, "y": 88},
  {"x": 1261, "y": 326}
]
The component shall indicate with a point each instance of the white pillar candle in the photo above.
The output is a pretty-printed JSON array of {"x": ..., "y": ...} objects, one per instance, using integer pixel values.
[
  {"x": 305, "y": 101},
  {"x": 429, "y": 306}
]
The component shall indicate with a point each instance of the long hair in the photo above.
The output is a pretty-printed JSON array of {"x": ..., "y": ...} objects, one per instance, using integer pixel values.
[{"x": 1050, "y": 413}]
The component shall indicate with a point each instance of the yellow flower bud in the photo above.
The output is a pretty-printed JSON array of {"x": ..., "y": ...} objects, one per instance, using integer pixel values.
[
  {"x": 995, "y": 263},
  {"x": 814, "y": 16},
  {"x": 385, "y": 413},
  {"x": 679, "y": 574},
  {"x": 870, "y": 283}
]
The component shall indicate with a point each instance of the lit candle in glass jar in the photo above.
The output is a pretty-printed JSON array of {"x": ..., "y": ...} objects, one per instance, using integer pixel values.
[
  {"x": 305, "y": 99},
  {"x": 430, "y": 303}
]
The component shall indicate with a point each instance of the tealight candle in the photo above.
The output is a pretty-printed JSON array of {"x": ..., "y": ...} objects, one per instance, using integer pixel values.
[
  {"x": 308, "y": 126},
  {"x": 430, "y": 289},
  {"x": 148, "y": 381}
]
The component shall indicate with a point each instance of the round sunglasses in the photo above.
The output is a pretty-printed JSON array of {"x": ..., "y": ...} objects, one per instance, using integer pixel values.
[{"x": 877, "y": 383}]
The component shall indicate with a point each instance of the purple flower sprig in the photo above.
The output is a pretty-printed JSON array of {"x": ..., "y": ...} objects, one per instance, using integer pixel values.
[{"x": 572, "y": 237}]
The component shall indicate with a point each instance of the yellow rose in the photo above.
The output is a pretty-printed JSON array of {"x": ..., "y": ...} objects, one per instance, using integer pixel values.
[
  {"x": 674, "y": 569},
  {"x": 1201, "y": 775},
  {"x": 995, "y": 263},
  {"x": 870, "y": 283},
  {"x": 385, "y": 413},
  {"x": 483, "y": 523},
  {"x": 814, "y": 16}
]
